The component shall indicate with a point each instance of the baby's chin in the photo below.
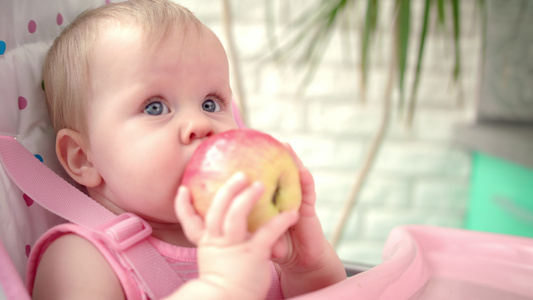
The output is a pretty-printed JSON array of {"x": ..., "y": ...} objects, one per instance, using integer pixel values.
[
  {"x": 171, "y": 233},
  {"x": 166, "y": 220}
]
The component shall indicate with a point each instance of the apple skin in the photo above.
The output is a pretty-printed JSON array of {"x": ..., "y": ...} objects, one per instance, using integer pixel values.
[{"x": 256, "y": 154}]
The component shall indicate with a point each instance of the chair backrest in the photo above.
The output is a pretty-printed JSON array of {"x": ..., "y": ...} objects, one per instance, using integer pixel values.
[{"x": 27, "y": 29}]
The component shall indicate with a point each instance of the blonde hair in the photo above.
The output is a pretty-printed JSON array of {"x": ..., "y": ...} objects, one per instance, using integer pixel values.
[{"x": 67, "y": 69}]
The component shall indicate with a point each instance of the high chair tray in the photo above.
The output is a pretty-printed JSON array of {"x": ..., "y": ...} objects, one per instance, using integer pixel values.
[{"x": 424, "y": 262}]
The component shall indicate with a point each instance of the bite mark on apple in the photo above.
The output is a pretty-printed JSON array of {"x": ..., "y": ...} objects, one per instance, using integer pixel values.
[{"x": 275, "y": 196}]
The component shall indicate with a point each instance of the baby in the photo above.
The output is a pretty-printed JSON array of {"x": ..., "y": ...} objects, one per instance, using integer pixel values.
[{"x": 132, "y": 89}]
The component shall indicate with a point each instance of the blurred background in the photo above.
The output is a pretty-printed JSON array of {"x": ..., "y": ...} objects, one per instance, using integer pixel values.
[{"x": 412, "y": 112}]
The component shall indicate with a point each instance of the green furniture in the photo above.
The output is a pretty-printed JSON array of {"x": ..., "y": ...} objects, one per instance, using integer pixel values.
[{"x": 501, "y": 196}]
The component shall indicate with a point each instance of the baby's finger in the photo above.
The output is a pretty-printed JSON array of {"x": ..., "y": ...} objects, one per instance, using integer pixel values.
[
  {"x": 306, "y": 181},
  {"x": 236, "y": 222},
  {"x": 280, "y": 250},
  {"x": 189, "y": 219},
  {"x": 217, "y": 211},
  {"x": 307, "y": 184},
  {"x": 268, "y": 234}
]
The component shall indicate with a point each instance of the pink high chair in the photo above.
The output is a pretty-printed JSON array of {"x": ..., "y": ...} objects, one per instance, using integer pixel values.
[{"x": 419, "y": 262}]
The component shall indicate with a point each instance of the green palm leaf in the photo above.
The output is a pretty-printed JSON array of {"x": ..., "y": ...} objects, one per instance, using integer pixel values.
[
  {"x": 403, "y": 26},
  {"x": 423, "y": 34},
  {"x": 368, "y": 32}
]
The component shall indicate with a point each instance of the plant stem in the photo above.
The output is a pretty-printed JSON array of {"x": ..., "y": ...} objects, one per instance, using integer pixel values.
[
  {"x": 239, "y": 94},
  {"x": 368, "y": 162}
]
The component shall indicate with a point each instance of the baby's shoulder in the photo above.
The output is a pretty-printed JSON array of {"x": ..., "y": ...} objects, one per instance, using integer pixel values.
[
  {"x": 74, "y": 248},
  {"x": 72, "y": 267}
]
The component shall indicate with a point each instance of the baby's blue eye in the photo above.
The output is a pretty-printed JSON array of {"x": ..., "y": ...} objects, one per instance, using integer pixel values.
[
  {"x": 210, "y": 106},
  {"x": 156, "y": 108}
]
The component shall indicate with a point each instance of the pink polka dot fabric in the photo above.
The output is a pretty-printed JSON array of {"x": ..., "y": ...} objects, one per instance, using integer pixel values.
[
  {"x": 22, "y": 103},
  {"x": 59, "y": 19},
  {"x": 27, "y": 29},
  {"x": 32, "y": 26}
]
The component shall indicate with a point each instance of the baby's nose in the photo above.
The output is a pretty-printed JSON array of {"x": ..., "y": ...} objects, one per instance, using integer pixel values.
[{"x": 196, "y": 127}]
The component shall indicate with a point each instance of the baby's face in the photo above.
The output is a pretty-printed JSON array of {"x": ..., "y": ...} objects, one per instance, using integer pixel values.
[{"x": 152, "y": 105}]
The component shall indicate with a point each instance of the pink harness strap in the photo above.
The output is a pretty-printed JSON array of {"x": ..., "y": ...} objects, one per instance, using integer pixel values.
[{"x": 126, "y": 233}]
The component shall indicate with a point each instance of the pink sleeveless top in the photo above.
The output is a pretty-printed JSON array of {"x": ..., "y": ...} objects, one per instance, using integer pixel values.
[{"x": 181, "y": 259}]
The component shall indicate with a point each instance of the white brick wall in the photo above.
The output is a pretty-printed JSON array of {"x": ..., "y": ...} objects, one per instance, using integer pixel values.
[{"x": 420, "y": 176}]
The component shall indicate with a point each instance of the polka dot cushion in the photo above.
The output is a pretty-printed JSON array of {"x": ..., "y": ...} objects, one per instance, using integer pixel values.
[{"x": 27, "y": 29}]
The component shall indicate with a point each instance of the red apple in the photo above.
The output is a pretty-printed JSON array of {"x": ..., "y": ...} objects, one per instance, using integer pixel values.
[{"x": 256, "y": 154}]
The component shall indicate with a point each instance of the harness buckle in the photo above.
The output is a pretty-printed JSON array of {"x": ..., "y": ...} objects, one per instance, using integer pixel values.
[{"x": 124, "y": 231}]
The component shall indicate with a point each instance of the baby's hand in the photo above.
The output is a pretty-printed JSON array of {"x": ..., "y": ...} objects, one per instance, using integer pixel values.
[
  {"x": 229, "y": 257},
  {"x": 305, "y": 259}
]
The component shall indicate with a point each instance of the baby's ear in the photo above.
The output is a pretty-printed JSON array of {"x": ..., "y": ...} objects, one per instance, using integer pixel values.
[{"x": 71, "y": 150}]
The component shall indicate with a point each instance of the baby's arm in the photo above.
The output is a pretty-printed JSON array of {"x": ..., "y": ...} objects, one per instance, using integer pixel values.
[
  {"x": 233, "y": 264},
  {"x": 72, "y": 268}
]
